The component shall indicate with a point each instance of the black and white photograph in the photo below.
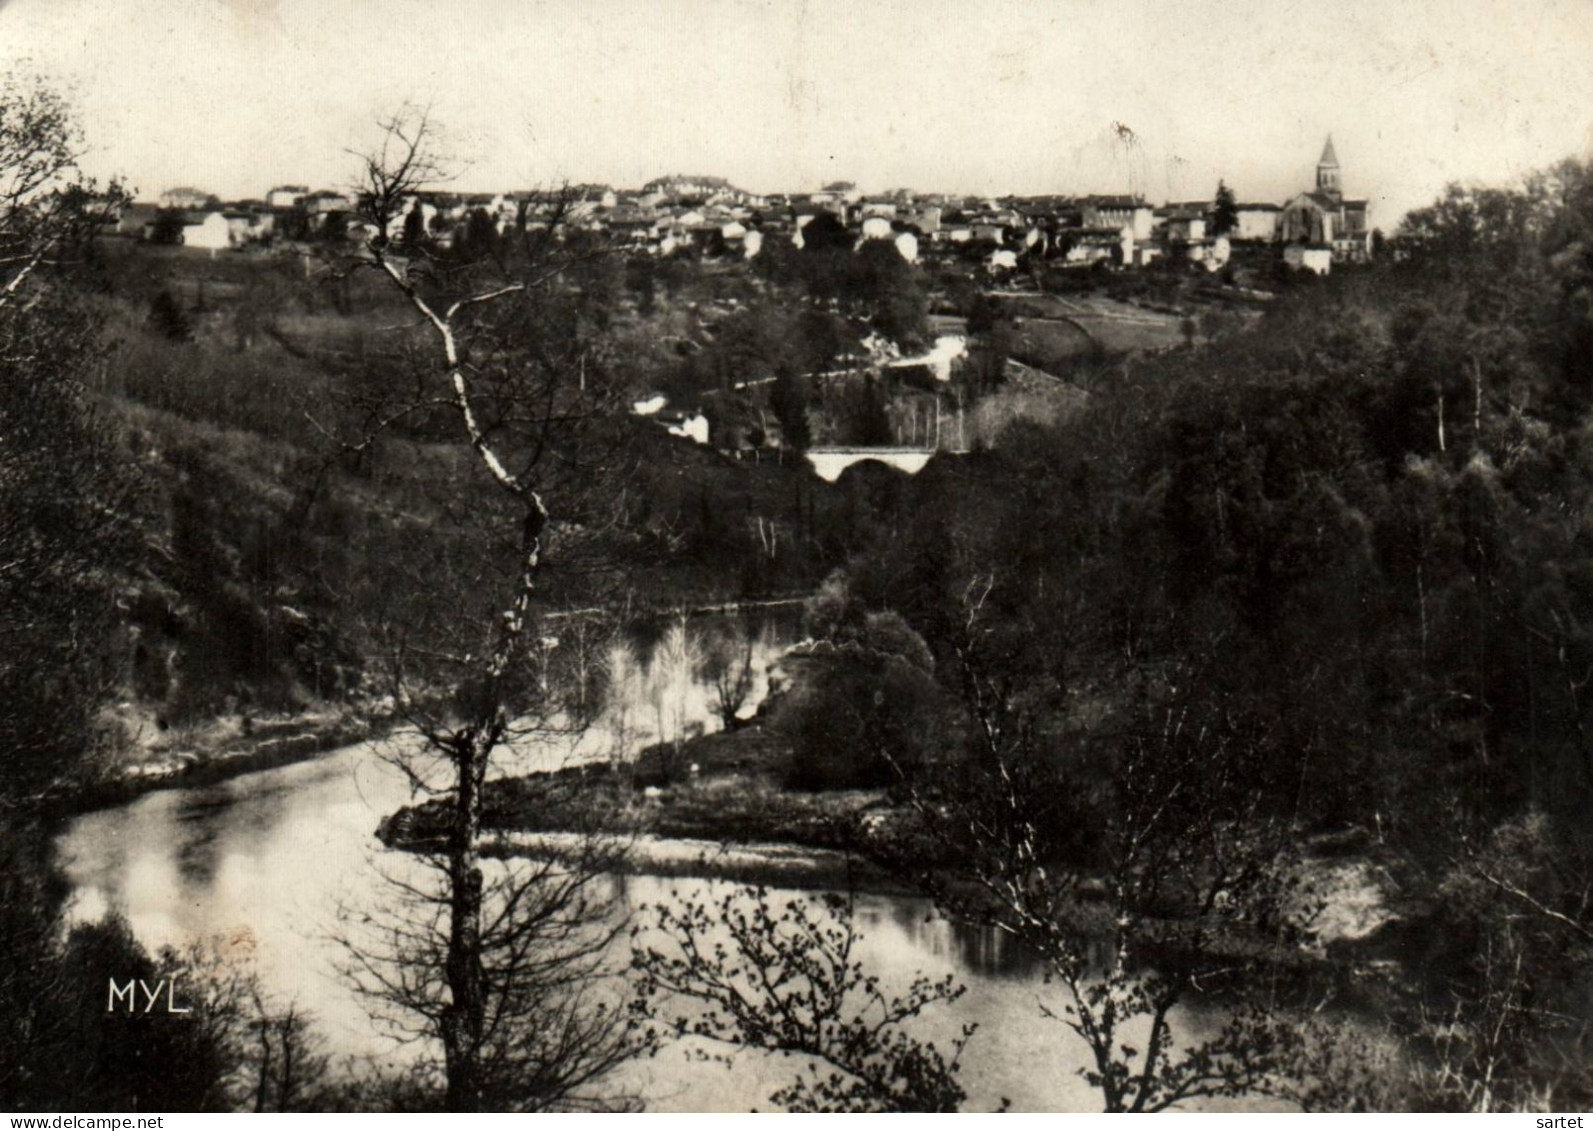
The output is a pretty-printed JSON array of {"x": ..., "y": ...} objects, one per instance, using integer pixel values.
[{"x": 846, "y": 556}]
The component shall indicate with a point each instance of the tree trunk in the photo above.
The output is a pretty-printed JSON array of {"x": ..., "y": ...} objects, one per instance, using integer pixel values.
[{"x": 464, "y": 1021}]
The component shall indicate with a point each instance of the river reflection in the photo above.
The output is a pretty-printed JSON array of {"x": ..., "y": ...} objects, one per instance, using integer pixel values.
[{"x": 266, "y": 860}]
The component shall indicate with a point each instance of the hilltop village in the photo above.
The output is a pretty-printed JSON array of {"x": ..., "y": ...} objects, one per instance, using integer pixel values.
[
  {"x": 1311, "y": 231},
  {"x": 939, "y": 319}
]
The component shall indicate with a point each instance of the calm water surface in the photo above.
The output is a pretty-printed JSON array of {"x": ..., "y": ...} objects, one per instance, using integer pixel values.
[{"x": 266, "y": 861}]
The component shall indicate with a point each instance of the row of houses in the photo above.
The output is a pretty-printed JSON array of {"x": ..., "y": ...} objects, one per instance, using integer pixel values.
[
  {"x": 195, "y": 218},
  {"x": 1316, "y": 227},
  {"x": 1313, "y": 229}
]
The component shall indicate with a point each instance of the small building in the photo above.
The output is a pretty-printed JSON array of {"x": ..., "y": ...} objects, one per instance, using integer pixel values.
[
  {"x": 326, "y": 202},
  {"x": 1316, "y": 258},
  {"x": 1256, "y": 222},
  {"x": 208, "y": 230},
  {"x": 843, "y": 191},
  {"x": 1104, "y": 244},
  {"x": 876, "y": 228},
  {"x": 692, "y": 427},
  {"x": 133, "y": 219},
  {"x": 1002, "y": 259},
  {"x": 1118, "y": 212},
  {"x": 680, "y": 186},
  {"x": 926, "y": 219},
  {"x": 287, "y": 196}
]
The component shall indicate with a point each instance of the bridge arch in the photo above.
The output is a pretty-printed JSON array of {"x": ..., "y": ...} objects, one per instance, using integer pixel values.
[{"x": 829, "y": 463}]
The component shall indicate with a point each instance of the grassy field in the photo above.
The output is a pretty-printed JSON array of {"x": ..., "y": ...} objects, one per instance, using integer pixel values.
[{"x": 1053, "y": 332}]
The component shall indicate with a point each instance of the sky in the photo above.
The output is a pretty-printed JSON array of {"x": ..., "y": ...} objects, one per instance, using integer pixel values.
[{"x": 977, "y": 96}]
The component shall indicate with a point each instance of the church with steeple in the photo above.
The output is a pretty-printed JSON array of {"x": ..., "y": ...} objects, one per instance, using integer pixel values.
[{"x": 1323, "y": 219}]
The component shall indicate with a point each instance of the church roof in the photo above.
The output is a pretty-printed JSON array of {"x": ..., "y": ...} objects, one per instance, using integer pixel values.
[{"x": 1328, "y": 156}]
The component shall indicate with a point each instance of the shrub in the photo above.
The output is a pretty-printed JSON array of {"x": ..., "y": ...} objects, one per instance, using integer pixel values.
[{"x": 863, "y": 720}]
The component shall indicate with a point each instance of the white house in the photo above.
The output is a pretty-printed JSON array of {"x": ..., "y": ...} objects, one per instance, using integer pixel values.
[
  {"x": 1002, "y": 259},
  {"x": 325, "y": 202},
  {"x": 1256, "y": 222},
  {"x": 1090, "y": 245},
  {"x": 208, "y": 230},
  {"x": 876, "y": 228},
  {"x": 1120, "y": 212},
  {"x": 286, "y": 196},
  {"x": 844, "y": 192},
  {"x": 1306, "y": 257},
  {"x": 693, "y": 427}
]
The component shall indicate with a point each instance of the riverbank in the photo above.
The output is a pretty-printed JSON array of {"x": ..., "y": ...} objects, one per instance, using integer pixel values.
[
  {"x": 768, "y": 864},
  {"x": 715, "y": 808},
  {"x": 711, "y": 807},
  {"x": 729, "y": 804},
  {"x": 221, "y": 750}
]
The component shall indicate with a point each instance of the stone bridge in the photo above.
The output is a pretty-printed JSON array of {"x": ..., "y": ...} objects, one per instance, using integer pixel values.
[{"x": 828, "y": 463}]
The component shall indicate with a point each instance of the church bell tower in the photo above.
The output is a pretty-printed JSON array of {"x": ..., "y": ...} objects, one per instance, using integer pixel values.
[{"x": 1327, "y": 171}]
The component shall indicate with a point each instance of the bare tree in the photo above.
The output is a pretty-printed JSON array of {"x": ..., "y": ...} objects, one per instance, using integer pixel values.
[
  {"x": 553, "y": 1024},
  {"x": 1504, "y": 1026},
  {"x": 288, "y": 1063},
  {"x": 727, "y": 666},
  {"x": 1166, "y": 882},
  {"x": 48, "y": 207},
  {"x": 511, "y": 370},
  {"x": 748, "y": 973}
]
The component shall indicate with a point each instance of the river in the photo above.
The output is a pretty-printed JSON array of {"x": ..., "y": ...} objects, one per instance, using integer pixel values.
[{"x": 265, "y": 862}]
